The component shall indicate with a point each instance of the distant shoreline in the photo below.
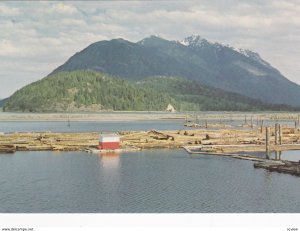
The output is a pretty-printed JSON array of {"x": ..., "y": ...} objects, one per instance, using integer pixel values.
[
  {"x": 145, "y": 116},
  {"x": 78, "y": 117}
]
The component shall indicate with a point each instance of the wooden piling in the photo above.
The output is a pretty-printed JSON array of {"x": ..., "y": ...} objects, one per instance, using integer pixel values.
[
  {"x": 267, "y": 143},
  {"x": 261, "y": 126},
  {"x": 251, "y": 121},
  {"x": 245, "y": 119},
  {"x": 280, "y": 134},
  {"x": 267, "y": 139},
  {"x": 276, "y": 134}
]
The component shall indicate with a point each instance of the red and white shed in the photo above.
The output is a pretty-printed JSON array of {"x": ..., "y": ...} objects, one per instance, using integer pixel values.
[{"x": 109, "y": 141}]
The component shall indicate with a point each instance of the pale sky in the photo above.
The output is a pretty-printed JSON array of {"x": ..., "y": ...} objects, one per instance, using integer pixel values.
[{"x": 36, "y": 37}]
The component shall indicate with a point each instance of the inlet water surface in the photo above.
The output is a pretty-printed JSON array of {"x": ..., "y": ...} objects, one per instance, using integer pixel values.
[
  {"x": 160, "y": 181},
  {"x": 91, "y": 126}
]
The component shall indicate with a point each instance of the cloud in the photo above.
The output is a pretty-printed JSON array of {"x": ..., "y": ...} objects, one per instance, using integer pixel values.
[
  {"x": 36, "y": 37},
  {"x": 73, "y": 22},
  {"x": 8, "y": 49},
  {"x": 62, "y": 8},
  {"x": 8, "y": 11}
]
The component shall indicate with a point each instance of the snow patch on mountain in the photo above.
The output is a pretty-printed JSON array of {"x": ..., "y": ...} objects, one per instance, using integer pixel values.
[
  {"x": 254, "y": 56},
  {"x": 249, "y": 54},
  {"x": 194, "y": 41},
  {"x": 197, "y": 41}
]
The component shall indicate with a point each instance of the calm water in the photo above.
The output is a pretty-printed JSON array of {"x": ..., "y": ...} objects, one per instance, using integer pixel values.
[
  {"x": 59, "y": 126},
  {"x": 94, "y": 126},
  {"x": 292, "y": 155},
  {"x": 148, "y": 181}
]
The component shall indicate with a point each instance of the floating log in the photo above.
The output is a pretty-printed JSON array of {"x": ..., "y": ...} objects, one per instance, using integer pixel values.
[
  {"x": 7, "y": 148},
  {"x": 289, "y": 167}
]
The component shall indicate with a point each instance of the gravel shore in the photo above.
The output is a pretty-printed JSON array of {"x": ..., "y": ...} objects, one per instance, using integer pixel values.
[{"x": 109, "y": 116}]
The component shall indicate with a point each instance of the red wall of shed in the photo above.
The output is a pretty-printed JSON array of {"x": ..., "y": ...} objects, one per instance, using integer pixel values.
[{"x": 109, "y": 145}]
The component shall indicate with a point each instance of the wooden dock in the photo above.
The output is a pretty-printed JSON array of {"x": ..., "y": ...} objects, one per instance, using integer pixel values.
[
  {"x": 211, "y": 151},
  {"x": 280, "y": 166}
]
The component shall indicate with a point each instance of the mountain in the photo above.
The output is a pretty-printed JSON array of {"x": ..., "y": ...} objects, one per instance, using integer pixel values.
[
  {"x": 94, "y": 91},
  {"x": 85, "y": 91},
  {"x": 3, "y": 101},
  {"x": 195, "y": 96},
  {"x": 194, "y": 58}
]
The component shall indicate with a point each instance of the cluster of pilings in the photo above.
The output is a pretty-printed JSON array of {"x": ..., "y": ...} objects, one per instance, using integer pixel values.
[
  {"x": 252, "y": 120},
  {"x": 277, "y": 135}
]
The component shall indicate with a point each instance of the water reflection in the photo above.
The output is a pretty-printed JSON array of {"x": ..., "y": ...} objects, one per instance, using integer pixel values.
[
  {"x": 278, "y": 155},
  {"x": 291, "y": 155},
  {"x": 267, "y": 154},
  {"x": 275, "y": 155},
  {"x": 109, "y": 161},
  {"x": 267, "y": 178}
]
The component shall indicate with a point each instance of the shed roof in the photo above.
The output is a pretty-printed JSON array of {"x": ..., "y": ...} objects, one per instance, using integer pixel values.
[{"x": 109, "y": 135}]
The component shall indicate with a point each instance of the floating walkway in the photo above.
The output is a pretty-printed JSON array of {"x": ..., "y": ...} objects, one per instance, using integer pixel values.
[
  {"x": 281, "y": 166},
  {"x": 212, "y": 150}
]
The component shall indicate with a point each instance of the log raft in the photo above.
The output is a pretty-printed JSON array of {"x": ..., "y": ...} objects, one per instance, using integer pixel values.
[
  {"x": 226, "y": 142},
  {"x": 223, "y": 140}
]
